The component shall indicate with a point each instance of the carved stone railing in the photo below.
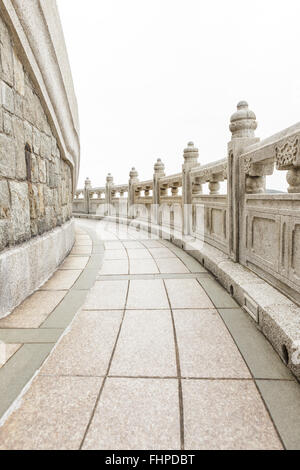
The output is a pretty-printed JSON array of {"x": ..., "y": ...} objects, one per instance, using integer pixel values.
[{"x": 258, "y": 229}]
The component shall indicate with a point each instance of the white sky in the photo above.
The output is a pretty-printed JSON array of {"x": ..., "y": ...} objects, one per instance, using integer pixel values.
[{"x": 151, "y": 75}]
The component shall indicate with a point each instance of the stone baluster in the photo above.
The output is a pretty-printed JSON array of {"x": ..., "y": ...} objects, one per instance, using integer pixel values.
[
  {"x": 87, "y": 189},
  {"x": 190, "y": 155},
  {"x": 133, "y": 179},
  {"x": 197, "y": 187},
  {"x": 214, "y": 187},
  {"x": 159, "y": 172}
]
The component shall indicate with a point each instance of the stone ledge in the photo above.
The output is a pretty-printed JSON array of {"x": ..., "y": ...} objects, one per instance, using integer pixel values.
[
  {"x": 23, "y": 269},
  {"x": 275, "y": 314}
]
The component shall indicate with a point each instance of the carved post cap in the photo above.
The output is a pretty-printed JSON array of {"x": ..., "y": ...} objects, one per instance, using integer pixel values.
[
  {"x": 243, "y": 122},
  {"x": 191, "y": 153},
  {"x": 159, "y": 167},
  {"x": 109, "y": 178},
  {"x": 88, "y": 183},
  {"x": 133, "y": 173}
]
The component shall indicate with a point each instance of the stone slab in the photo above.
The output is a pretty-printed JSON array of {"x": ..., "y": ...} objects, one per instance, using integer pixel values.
[
  {"x": 149, "y": 412},
  {"x": 146, "y": 345},
  {"x": 53, "y": 414}
]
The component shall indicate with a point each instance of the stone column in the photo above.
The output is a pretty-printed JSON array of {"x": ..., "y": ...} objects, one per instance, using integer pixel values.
[
  {"x": 190, "y": 155},
  {"x": 87, "y": 188},
  {"x": 108, "y": 193},
  {"x": 159, "y": 172},
  {"x": 133, "y": 179},
  {"x": 242, "y": 126}
]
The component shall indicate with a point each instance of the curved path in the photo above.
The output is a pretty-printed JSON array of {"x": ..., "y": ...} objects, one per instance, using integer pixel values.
[{"x": 158, "y": 357}]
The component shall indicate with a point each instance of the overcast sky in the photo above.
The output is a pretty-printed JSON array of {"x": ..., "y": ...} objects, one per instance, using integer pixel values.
[{"x": 151, "y": 75}]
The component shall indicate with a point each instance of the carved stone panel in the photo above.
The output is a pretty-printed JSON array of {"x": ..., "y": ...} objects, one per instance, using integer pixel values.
[
  {"x": 295, "y": 252},
  {"x": 288, "y": 154},
  {"x": 263, "y": 237}
]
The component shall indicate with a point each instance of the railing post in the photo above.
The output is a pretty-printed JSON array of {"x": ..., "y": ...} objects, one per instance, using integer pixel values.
[
  {"x": 108, "y": 196},
  {"x": 133, "y": 179},
  {"x": 242, "y": 126},
  {"x": 159, "y": 172},
  {"x": 87, "y": 188},
  {"x": 190, "y": 155}
]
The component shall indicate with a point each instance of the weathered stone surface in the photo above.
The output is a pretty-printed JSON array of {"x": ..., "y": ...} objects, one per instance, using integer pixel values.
[
  {"x": 7, "y": 157},
  {"x": 28, "y": 134},
  {"x": 7, "y": 124},
  {"x": 4, "y": 233},
  {"x": 20, "y": 148},
  {"x": 7, "y": 69},
  {"x": 19, "y": 106},
  {"x": 38, "y": 258},
  {"x": 4, "y": 200},
  {"x": 19, "y": 79},
  {"x": 24, "y": 123},
  {"x": 45, "y": 146},
  {"x": 7, "y": 95},
  {"x": 42, "y": 170},
  {"x": 28, "y": 107},
  {"x": 36, "y": 141},
  {"x": 20, "y": 211}
]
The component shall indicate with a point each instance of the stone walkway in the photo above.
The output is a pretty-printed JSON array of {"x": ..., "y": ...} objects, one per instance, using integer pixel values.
[{"x": 145, "y": 350}]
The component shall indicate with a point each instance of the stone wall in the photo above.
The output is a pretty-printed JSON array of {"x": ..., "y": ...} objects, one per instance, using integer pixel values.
[{"x": 35, "y": 182}]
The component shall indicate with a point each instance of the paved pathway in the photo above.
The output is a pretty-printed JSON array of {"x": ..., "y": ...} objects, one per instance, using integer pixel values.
[{"x": 158, "y": 357}]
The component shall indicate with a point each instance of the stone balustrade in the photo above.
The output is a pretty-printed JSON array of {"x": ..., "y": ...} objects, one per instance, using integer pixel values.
[{"x": 256, "y": 228}]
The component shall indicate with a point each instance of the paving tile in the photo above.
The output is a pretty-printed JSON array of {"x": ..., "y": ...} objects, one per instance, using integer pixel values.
[
  {"x": 115, "y": 254},
  {"x": 7, "y": 351},
  {"x": 187, "y": 293},
  {"x": 16, "y": 373},
  {"x": 28, "y": 335},
  {"x": 152, "y": 243},
  {"x": 148, "y": 294},
  {"x": 65, "y": 312},
  {"x": 161, "y": 253},
  {"x": 62, "y": 279},
  {"x": 86, "y": 349},
  {"x": 114, "y": 267},
  {"x": 136, "y": 414},
  {"x": 113, "y": 245},
  {"x": 81, "y": 250},
  {"x": 83, "y": 241},
  {"x": 86, "y": 279},
  {"x": 132, "y": 244},
  {"x": 107, "y": 295},
  {"x": 95, "y": 261},
  {"x": 75, "y": 262},
  {"x": 283, "y": 401},
  {"x": 206, "y": 349},
  {"x": 34, "y": 310},
  {"x": 217, "y": 293},
  {"x": 145, "y": 266},
  {"x": 53, "y": 414},
  {"x": 146, "y": 345},
  {"x": 258, "y": 353},
  {"x": 138, "y": 254},
  {"x": 193, "y": 265},
  {"x": 171, "y": 265},
  {"x": 226, "y": 415}
]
